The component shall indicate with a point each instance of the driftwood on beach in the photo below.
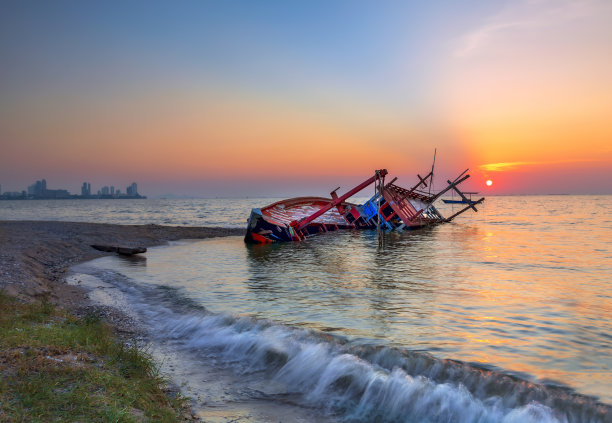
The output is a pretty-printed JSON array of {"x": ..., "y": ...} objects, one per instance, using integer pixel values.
[
  {"x": 126, "y": 251},
  {"x": 35, "y": 256}
]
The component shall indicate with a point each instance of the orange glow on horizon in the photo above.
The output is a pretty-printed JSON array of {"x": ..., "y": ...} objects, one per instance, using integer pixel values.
[{"x": 520, "y": 96}]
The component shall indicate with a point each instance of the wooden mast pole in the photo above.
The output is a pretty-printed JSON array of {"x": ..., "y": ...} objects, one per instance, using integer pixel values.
[
  {"x": 432, "y": 171},
  {"x": 380, "y": 184}
]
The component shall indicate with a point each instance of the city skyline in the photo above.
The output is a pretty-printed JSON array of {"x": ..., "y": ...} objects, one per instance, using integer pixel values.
[
  {"x": 39, "y": 190},
  {"x": 274, "y": 98}
]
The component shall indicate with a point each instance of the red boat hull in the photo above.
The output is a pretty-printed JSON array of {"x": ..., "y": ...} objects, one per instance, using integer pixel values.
[{"x": 273, "y": 223}]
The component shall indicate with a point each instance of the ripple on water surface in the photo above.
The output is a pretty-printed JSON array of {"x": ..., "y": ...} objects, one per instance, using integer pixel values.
[{"x": 519, "y": 290}]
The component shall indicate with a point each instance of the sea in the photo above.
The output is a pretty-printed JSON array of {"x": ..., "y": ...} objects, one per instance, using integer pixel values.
[{"x": 504, "y": 315}]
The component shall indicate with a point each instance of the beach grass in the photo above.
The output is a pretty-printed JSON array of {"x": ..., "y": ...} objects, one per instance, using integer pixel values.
[{"x": 58, "y": 367}]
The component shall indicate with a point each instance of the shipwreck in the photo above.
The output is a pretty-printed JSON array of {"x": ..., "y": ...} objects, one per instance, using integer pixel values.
[{"x": 391, "y": 208}]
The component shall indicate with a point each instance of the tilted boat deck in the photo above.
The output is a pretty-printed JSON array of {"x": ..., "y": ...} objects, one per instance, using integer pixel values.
[{"x": 391, "y": 208}]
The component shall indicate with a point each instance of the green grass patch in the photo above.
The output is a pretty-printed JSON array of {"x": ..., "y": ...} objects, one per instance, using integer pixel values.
[{"x": 56, "y": 367}]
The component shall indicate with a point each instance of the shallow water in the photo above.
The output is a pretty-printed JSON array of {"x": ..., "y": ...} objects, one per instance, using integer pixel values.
[
  {"x": 230, "y": 212},
  {"x": 500, "y": 316}
]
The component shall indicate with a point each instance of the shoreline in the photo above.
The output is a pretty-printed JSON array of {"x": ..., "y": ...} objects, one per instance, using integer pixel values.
[{"x": 35, "y": 255}]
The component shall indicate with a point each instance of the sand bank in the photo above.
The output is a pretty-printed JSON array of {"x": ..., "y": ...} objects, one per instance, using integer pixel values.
[{"x": 34, "y": 255}]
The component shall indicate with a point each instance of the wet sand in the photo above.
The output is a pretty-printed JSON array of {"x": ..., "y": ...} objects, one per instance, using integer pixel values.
[{"x": 35, "y": 255}]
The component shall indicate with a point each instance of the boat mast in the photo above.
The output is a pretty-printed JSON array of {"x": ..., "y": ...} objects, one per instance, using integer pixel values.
[
  {"x": 379, "y": 186},
  {"x": 432, "y": 171}
]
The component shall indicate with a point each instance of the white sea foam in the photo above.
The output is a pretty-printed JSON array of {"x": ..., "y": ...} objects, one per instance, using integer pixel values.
[
  {"x": 326, "y": 374},
  {"x": 356, "y": 382}
]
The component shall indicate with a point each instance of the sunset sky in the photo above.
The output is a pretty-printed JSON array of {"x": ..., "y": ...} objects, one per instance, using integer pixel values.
[{"x": 235, "y": 98}]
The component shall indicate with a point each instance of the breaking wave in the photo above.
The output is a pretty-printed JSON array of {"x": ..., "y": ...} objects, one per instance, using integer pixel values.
[{"x": 355, "y": 382}]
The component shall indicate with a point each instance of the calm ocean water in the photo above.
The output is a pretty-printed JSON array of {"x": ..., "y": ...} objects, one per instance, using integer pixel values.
[
  {"x": 192, "y": 212},
  {"x": 503, "y": 315}
]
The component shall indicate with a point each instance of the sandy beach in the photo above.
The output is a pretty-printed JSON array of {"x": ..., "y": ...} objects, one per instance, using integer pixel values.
[
  {"x": 34, "y": 258},
  {"x": 34, "y": 255}
]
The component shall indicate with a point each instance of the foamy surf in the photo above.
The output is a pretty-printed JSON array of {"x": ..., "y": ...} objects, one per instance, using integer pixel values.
[{"x": 348, "y": 381}]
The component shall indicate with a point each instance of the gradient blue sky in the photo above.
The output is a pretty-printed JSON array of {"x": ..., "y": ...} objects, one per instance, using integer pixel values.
[{"x": 263, "y": 98}]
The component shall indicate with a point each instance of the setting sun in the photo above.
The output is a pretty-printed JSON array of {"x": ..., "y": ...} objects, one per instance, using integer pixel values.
[{"x": 489, "y": 182}]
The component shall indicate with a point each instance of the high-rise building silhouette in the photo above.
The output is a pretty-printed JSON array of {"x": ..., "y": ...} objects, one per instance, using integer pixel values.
[
  {"x": 86, "y": 189},
  {"x": 132, "y": 190}
]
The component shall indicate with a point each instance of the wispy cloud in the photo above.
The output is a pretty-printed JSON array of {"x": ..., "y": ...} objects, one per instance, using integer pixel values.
[
  {"x": 525, "y": 14},
  {"x": 478, "y": 38},
  {"x": 500, "y": 167},
  {"x": 505, "y": 166}
]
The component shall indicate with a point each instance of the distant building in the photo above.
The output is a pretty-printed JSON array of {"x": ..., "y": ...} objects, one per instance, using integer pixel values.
[
  {"x": 105, "y": 190},
  {"x": 86, "y": 189},
  {"x": 39, "y": 190},
  {"x": 112, "y": 190},
  {"x": 132, "y": 190},
  {"x": 36, "y": 189},
  {"x": 13, "y": 194},
  {"x": 56, "y": 193}
]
